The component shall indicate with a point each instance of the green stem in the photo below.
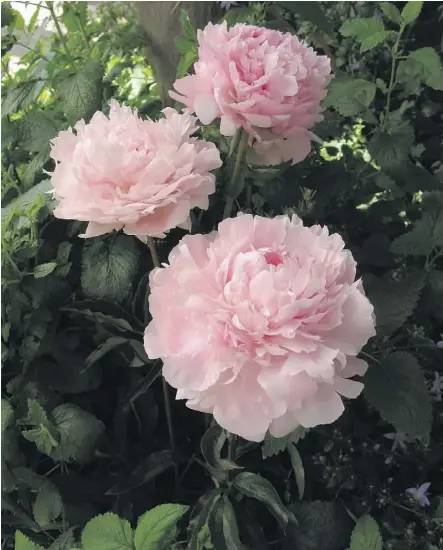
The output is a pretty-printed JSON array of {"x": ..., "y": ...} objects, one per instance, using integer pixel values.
[
  {"x": 392, "y": 80},
  {"x": 82, "y": 31},
  {"x": 234, "y": 191},
  {"x": 166, "y": 399},
  {"x": 59, "y": 30},
  {"x": 232, "y": 440}
]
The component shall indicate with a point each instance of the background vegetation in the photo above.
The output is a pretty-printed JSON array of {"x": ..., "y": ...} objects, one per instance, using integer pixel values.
[{"x": 83, "y": 427}]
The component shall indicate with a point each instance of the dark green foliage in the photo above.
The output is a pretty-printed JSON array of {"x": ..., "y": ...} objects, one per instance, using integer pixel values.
[{"x": 85, "y": 447}]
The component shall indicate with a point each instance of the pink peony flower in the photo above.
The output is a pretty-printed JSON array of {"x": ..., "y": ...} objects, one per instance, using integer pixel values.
[
  {"x": 137, "y": 175},
  {"x": 262, "y": 80},
  {"x": 260, "y": 324}
]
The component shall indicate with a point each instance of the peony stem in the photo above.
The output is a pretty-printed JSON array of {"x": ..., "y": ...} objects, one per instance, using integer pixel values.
[
  {"x": 232, "y": 440},
  {"x": 235, "y": 187},
  {"x": 166, "y": 399}
]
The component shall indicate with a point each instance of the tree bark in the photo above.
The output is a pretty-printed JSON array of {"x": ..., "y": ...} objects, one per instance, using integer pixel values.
[{"x": 161, "y": 21}]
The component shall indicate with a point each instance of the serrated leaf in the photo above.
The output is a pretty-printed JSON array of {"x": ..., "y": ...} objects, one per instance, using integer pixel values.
[
  {"x": 274, "y": 445},
  {"x": 186, "y": 27},
  {"x": 429, "y": 66},
  {"x": 65, "y": 541},
  {"x": 366, "y": 535},
  {"x": 390, "y": 11},
  {"x": 37, "y": 129},
  {"x": 25, "y": 201},
  {"x": 255, "y": 486},
  {"x": 374, "y": 40},
  {"x": 299, "y": 471},
  {"x": 43, "y": 270},
  {"x": 156, "y": 526},
  {"x": 391, "y": 150},
  {"x": 107, "y": 532},
  {"x": 23, "y": 543},
  {"x": 410, "y": 12},
  {"x": 108, "y": 268},
  {"x": 82, "y": 92},
  {"x": 426, "y": 236},
  {"x": 48, "y": 504},
  {"x": 350, "y": 96},
  {"x": 361, "y": 28},
  {"x": 79, "y": 433},
  {"x": 397, "y": 389},
  {"x": 44, "y": 435},
  {"x": 18, "y": 97},
  {"x": 394, "y": 301}
]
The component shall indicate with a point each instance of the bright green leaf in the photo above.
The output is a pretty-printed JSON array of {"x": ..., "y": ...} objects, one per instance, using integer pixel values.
[
  {"x": 18, "y": 97},
  {"x": 79, "y": 433},
  {"x": 390, "y": 11},
  {"x": 390, "y": 150},
  {"x": 374, "y": 40},
  {"x": 107, "y": 532},
  {"x": 299, "y": 471},
  {"x": 23, "y": 543},
  {"x": 48, "y": 504},
  {"x": 397, "y": 389},
  {"x": 82, "y": 92},
  {"x": 44, "y": 434},
  {"x": 155, "y": 528},
  {"x": 410, "y": 12},
  {"x": 43, "y": 270},
  {"x": 362, "y": 28},
  {"x": 255, "y": 486},
  {"x": 366, "y": 535},
  {"x": 40, "y": 192},
  {"x": 198, "y": 524},
  {"x": 108, "y": 267},
  {"x": 350, "y": 96}
]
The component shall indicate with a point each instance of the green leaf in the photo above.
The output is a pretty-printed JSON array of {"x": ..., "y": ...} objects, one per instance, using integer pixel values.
[
  {"x": 104, "y": 348},
  {"x": 23, "y": 543},
  {"x": 310, "y": 11},
  {"x": 391, "y": 149},
  {"x": 374, "y": 40},
  {"x": 43, "y": 270},
  {"x": 361, "y": 28},
  {"x": 155, "y": 528},
  {"x": 27, "y": 200},
  {"x": 108, "y": 267},
  {"x": 397, "y": 389},
  {"x": 186, "y": 27},
  {"x": 79, "y": 433},
  {"x": 366, "y": 534},
  {"x": 186, "y": 62},
  {"x": 149, "y": 468},
  {"x": 390, "y": 11},
  {"x": 198, "y": 525},
  {"x": 426, "y": 235},
  {"x": 44, "y": 435},
  {"x": 211, "y": 445},
  {"x": 274, "y": 445},
  {"x": 410, "y": 12},
  {"x": 429, "y": 66},
  {"x": 299, "y": 471},
  {"x": 48, "y": 504},
  {"x": 230, "y": 528},
  {"x": 18, "y": 97},
  {"x": 107, "y": 532},
  {"x": 350, "y": 96},
  {"x": 394, "y": 301},
  {"x": 65, "y": 541},
  {"x": 37, "y": 129},
  {"x": 7, "y": 414},
  {"x": 321, "y": 524},
  {"x": 255, "y": 486},
  {"x": 81, "y": 93}
]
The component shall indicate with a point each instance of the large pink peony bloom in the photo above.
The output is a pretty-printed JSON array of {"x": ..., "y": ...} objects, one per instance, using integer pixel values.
[
  {"x": 260, "y": 324},
  {"x": 137, "y": 175},
  {"x": 262, "y": 80}
]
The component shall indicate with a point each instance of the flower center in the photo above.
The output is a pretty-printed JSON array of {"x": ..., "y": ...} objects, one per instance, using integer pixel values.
[{"x": 273, "y": 258}]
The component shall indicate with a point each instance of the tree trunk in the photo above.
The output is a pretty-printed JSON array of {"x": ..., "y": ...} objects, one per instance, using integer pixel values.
[{"x": 161, "y": 21}]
